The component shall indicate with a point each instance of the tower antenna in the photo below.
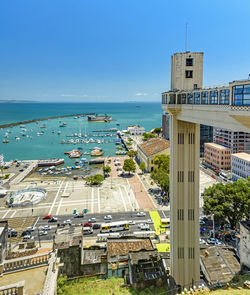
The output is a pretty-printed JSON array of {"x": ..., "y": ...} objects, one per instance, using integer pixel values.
[{"x": 186, "y": 37}]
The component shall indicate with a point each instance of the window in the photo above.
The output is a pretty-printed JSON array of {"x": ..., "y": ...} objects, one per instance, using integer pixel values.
[
  {"x": 238, "y": 95},
  {"x": 189, "y": 62},
  {"x": 204, "y": 97},
  {"x": 189, "y": 74},
  {"x": 195, "y": 86},
  {"x": 197, "y": 97},
  {"x": 214, "y": 97},
  {"x": 190, "y": 98},
  {"x": 178, "y": 98},
  {"x": 224, "y": 96},
  {"x": 183, "y": 98}
]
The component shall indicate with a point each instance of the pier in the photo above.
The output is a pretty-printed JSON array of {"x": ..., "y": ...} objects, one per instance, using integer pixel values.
[{"x": 44, "y": 119}]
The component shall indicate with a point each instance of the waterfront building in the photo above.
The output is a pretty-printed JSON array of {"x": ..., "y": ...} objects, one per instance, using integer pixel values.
[
  {"x": 189, "y": 106},
  {"x": 151, "y": 148},
  {"x": 237, "y": 141},
  {"x": 240, "y": 165},
  {"x": 136, "y": 130},
  {"x": 217, "y": 156}
]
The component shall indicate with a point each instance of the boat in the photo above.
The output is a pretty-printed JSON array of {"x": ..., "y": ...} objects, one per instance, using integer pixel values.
[
  {"x": 17, "y": 138},
  {"x": 59, "y": 132},
  {"x": 100, "y": 118},
  {"x": 75, "y": 154},
  {"x": 63, "y": 125},
  {"x": 6, "y": 141},
  {"x": 50, "y": 162},
  {"x": 63, "y": 141},
  {"x": 118, "y": 124},
  {"x": 43, "y": 126},
  {"x": 95, "y": 153}
]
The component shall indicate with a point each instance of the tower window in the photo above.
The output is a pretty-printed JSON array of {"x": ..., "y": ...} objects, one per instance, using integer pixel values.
[
  {"x": 189, "y": 74},
  {"x": 189, "y": 62}
]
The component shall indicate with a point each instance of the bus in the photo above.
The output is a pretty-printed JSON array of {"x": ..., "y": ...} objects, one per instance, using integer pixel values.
[
  {"x": 114, "y": 226},
  {"x": 165, "y": 222}
]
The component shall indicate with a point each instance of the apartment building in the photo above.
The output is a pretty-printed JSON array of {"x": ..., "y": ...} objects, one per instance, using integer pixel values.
[
  {"x": 217, "y": 156},
  {"x": 238, "y": 142},
  {"x": 240, "y": 165}
]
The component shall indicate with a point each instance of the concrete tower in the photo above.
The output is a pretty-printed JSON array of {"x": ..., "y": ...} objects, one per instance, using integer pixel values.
[{"x": 187, "y": 70}]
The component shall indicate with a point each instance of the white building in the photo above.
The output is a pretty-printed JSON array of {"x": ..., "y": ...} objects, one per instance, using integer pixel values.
[
  {"x": 245, "y": 244},
  {"x": 136, "y": 130},
  {"x": 240, "y": 165}
]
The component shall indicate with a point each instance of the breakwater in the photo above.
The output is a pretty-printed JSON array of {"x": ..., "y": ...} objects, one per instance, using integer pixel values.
[{"x": 44, "y": 119}]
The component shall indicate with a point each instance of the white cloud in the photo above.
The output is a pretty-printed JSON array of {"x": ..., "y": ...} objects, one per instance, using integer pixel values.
[
  {"x": 141, "y": 94},
  {"x": 74, "y": 95}
]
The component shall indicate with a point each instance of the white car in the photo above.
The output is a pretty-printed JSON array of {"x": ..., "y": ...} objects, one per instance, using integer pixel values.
[
  {"x": 145, "y": 227},
  {"x": 42, "y": 233},
  {"x": 28, "y": 237},
  {"x": 203, "y": 242},
  {"x": 131, "y": 222},
  {"x": 149, "y": 221},
  {"x": 141, "y": 214},
  {"x": 68, "y": 221},
  {"x": 31, "y": 228},
  {"x": 93, "y": 219},
  {"x": 107, "y": 217},
  {"x": 46, "y": 227}
]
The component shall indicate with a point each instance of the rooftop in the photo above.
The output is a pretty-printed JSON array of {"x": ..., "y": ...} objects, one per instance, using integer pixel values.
[
  {"x": 243, "y": 156},
  {"x": 154, "y": 146},
  {"x": 124, "y": 246},
  {"x": 217, "y": 146},
  {"x": 92, "y": 256}
]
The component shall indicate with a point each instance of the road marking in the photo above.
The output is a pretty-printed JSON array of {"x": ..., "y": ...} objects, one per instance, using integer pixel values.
[
  {"x": 36, "y": 221},
  {"x": 132, "y": 193},
  {"x": 92, "y": 201},
  {"x": 98, "y": 199},
  {"x": 163, "y": 213},
  {"x": 60, "y": 203},
  {"x": 6, "y": 213},
  {"x": 128, "y": 196},
  {"x": 55, "y": 198},
  {"x": 12, "y": 215},
  {"x": 123, "y": 201}
]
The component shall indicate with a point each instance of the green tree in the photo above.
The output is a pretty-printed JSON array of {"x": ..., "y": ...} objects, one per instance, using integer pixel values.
[
  {"x": 94, "y": 180},
  {"x": 106, "y": 169},
  {"x": 161, "y": 177},
  {"x": 129, "y": 165},
  {"x": 132, "y": 153},
  {"x": 142, "y": 166},
  {"x": 157, "y": 131},
  {"x": 229, "y": 202},
  {"x": 162, "y": 161},
  {"x": 147, "y": 136}
]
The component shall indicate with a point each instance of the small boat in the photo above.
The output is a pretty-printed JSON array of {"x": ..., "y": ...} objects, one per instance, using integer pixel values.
[
  {"x": 59, "y": 132},
  {"x": 63, "y": 125},
  {"x": 43, "y": 126},
  {"x": 95, "y": 153},
  {"x": 52, "y": 131},
  {"x": 63, "y": 141},
  {"x": 118, "y": 124},
  {"x": 6, "y": 141}
]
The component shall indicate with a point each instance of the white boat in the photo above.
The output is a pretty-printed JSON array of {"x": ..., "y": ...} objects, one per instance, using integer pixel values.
[
  {"x": 59, "y": 132},
  {"x": 17, "y": 138}
]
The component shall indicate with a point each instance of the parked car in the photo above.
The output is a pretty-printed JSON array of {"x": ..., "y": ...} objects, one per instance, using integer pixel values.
[
  {"x": 107, "y": 217},
  {"x": 53, "y": 219},
  {"x": 81, "y": 215},
  {"x": 68, "y": 221},
  {"x": 60, "y": 225},
  {"x": 141, "y": 214},
  {"x": 25, "y": 233},
  {"x": 96, "y": 226},
  {"x": 212, "y": 241},
  {"x": 46, "y": 227},
  {"x": 12, "y": 234},
  {"x": 31, "y": 228},
  {"x": 144, "y": 227},
  {"x": 42, "y": 233},
  {"x": 149, "y": 221},
  {"x": 93, "y": 219},
  {"x": 131, "y": 222},
  {"x": 48, "y": 216},
  {"x": 202, "y": 222},
  {"x": 87, "y": 224},
  {"x": 27, "y": 237}
]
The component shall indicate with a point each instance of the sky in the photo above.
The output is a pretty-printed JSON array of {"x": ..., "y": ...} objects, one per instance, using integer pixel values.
[{"x": 116, "y": 50}]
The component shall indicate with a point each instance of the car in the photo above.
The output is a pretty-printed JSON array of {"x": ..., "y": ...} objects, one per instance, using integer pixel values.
[
  {"x": 81, "y": 215},
  {"x": 119, "y": 169},
  {"x": 107, "y": 217},
  {"x": 60, "y": 225},
  {"x": 27, "y": 237},
  {"x": 48, "y": 216},
  {"x": 87, "y": 224},
  {"x": 46, "y": 227},
  {"x": 53, "y": 219},
  {"x": 68, "y": 221},
  {"x": 211, "y": 241},
  {"x": 10, "y": 229},
  {"x": 92, "y": 220},
  {"x": 121, "y": 173},
  {"x": 131, "y": 222},
  {"x": 141, "y": 214},
  {"x": 25, "y": 233},
  {"x": 21, "y": 170},
  {"x": 203, "y": 242},
  {"x": 42, "y": 233},
  {"x": 31, "y": 228},
  {"x": 149, "y": 221},
  {"x": 96, "y": 226},
  {"x": 12, "y": 234},
  {"x": 202, "y": 222},
  {"x": 144, "y": 227},
  {"x": 204, "y": 218}
]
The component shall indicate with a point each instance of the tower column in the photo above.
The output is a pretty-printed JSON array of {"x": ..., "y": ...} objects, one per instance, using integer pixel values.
[{"x": 184, "y": 201}]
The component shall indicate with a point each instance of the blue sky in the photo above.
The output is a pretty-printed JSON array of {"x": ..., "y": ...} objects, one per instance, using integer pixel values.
[{"x": 115, "y": 50}]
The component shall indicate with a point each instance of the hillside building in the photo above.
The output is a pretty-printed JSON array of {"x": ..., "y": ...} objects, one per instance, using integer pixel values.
[
  {"x": 217, "y": 156},
  {"x": 240, "y": 165}
]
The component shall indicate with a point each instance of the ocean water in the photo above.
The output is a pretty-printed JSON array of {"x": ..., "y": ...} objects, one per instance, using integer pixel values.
[{"x": 49, "y": 145}]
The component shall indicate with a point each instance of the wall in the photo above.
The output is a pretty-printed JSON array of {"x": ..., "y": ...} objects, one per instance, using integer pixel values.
[{"x": 244, "y": 246}]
